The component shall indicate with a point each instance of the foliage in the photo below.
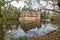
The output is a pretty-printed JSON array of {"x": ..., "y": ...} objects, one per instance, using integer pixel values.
[
  {"x": 58, "y": 32},
  {"x": 8, "y": 17},
  {"x": 38, "y": 1},
  {"x": 7, "y": 39},
  {"x": 29, "y": 3},
  {"x": 23, "y": 38},
  {"x": 1, "y": 3}
]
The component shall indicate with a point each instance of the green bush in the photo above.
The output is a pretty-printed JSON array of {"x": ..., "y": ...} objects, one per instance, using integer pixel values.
[{"x": 23, "y": 38}]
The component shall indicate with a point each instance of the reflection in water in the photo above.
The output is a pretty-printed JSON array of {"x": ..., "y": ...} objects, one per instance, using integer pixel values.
[
  {"x": 15, "y": 33},
  {"x": 43, "y": 30},
  {"x": 30, "y": 30},
  {"x": 34, "y": 32}
]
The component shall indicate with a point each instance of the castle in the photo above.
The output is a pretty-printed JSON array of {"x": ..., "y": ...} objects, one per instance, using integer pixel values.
[{"x": 29, "y": 16}]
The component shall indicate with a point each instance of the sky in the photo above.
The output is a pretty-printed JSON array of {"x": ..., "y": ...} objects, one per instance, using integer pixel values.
[
  {"x": 21, "y": 4},
  {"x": 34, "y": 5}
]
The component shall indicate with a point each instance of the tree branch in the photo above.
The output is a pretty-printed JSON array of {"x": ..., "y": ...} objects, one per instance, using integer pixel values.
[{"x": 52, "y": 10}]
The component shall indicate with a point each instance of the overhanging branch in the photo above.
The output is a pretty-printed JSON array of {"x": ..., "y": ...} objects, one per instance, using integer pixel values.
[{"x": 52, "y": 10}]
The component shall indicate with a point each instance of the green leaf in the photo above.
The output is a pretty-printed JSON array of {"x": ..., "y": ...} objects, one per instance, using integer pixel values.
[
  {"x": 38, "y": 1},
  {"x": 1, "y": 3},
  {"x": 17, "y": 1},
  {"x": 30, "y": 2}
]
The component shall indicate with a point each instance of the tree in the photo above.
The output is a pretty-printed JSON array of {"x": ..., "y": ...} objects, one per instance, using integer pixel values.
[{"x": 8, "y": 17}]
